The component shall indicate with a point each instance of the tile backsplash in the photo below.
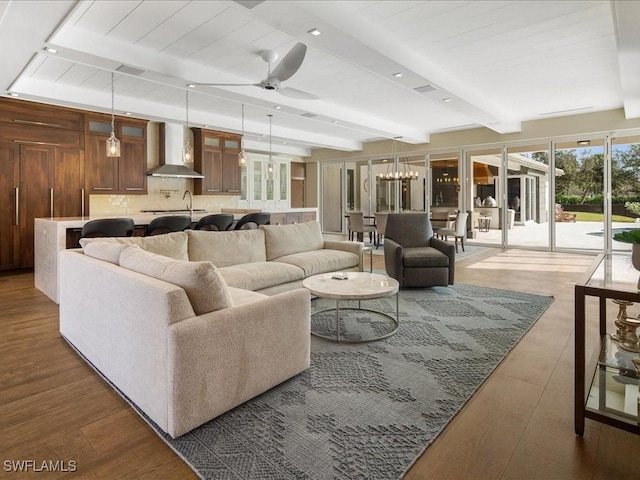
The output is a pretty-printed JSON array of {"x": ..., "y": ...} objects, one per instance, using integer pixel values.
[{"x": 163, "y": 194}]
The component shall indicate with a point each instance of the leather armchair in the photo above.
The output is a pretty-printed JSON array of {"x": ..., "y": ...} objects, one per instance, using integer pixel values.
[{"x": 413, "y": 256}]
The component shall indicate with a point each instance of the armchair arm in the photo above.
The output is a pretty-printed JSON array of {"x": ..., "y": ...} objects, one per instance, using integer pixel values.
[
  {"x": 450, "y": 251},
  {"x": 393, "y": 253}
]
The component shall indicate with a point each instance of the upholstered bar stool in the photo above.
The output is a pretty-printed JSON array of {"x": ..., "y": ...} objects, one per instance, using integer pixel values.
[
  {"x": 173, "y": 223},
  {"x": 217, "y": 222},
  {"x": 108, "y": 227},
  {"x": 253, "y": 221}
]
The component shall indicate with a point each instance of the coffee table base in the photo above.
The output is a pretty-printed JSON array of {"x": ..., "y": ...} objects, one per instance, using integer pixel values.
[{"x": 337, "y": 338}]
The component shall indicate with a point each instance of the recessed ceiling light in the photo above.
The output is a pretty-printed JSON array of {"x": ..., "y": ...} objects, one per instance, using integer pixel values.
[
  {"x": 284, "y": 143},
  {"x": 127, "y": 114},
  {"x": 314, "y": 32},
  {"x": 206, "y": 126},
  {"x": 277, "y": 107},
  {"x": 335, "y": 121},
  {"x": 13, "y": 94},
  {"x": 584, "y": 143},
  {"x": 50, "y": 50},
  {"x": 397, "y": 74},
  {"x": 446, "y": 99},
  {"x": 191, "y": 85}
]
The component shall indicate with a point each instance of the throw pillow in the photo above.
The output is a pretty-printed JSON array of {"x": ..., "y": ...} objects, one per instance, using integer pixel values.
[
  {"x": 203, "y": 284},
  {"x": 106, "y": 251},
  {"x": 173, "y": 245}
]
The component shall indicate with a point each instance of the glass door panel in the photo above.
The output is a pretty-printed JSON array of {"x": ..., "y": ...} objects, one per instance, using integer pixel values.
[
  {"x": 412, "y": 192},
  {"x": 625, "y": 188},
  {"x": 383, "y": 192},
  {"x": 445, "y": 188},
  {"x": 485, "y": 170},
  {"x": 528, "y": 196},
  {"x": 579, "y": 200}
]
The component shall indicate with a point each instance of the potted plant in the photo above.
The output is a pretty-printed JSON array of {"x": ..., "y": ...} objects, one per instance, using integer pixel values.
[{"x": 632, "y": 237}]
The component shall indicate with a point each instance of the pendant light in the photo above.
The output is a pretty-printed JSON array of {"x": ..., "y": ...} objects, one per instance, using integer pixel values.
[
  {"x": 187, "y": 150},
  {"x": 397, "y": 151},
  {"x": 113, "y": 144},
  {"x": 242, "y": 159},
  {"x": 270, "y": 162}
]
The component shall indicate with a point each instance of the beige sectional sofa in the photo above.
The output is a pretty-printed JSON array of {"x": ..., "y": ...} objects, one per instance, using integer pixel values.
[{"x": 191, "y": 324}]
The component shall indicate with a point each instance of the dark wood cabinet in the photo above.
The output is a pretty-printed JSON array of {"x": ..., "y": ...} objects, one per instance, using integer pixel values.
[
  {"x": 42, "y": 162},
  {"x": 9, "y": 206},
  {"x": 216, "y": 158},
  {"x": 126, "y": 174}
]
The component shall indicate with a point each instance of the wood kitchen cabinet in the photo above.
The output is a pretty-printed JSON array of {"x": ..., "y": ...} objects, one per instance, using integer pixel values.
[
  {"x": 216, "y": 158},
  {"x": 126, "y": 174},
  {"x": 42, "y": 165}
]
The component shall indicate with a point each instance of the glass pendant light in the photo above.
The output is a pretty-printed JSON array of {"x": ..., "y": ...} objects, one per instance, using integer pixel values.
[
  {"x": 270, "y": 162},
  {"x": 242, "y": 159},
  {"x": 187, "y": 150},
  {"x": 113, "y": 144}
]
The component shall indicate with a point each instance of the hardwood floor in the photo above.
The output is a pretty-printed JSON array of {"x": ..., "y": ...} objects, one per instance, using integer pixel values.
[{"x": 519, "y": 425}]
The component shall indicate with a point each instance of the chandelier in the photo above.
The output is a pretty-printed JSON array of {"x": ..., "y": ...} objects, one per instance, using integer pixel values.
[{"x": 404, "y": 171}]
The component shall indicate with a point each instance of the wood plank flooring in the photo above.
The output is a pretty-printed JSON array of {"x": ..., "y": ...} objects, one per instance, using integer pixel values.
[{"x": 518, "y": 426}]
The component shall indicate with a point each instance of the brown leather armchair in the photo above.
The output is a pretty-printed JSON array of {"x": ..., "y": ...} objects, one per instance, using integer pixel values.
[{"x": 413, "y": 256}]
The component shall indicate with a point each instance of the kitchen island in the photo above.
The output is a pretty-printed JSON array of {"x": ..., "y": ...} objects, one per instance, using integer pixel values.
[{"x": 53, "y": 234}]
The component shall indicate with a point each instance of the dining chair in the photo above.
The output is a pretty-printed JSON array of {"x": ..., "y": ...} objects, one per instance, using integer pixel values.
[
  {"x": 459, "y": 230},
  {"x": 381, "y": 226},
  {"x": 359, "y": 228}
]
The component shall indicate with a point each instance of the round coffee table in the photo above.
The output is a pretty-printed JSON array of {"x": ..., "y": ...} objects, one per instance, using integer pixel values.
[{"x": 356, "y": 286}]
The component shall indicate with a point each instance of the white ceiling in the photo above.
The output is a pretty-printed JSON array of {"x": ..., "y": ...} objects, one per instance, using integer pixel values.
[{"x": 498, "y": 62}]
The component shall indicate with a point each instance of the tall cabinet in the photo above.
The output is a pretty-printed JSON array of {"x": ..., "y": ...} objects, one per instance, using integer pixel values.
[
  {"x": 216, "y": 158},
  {"x": 42, "y": 173},
  {"x": 126, "y": 174}
]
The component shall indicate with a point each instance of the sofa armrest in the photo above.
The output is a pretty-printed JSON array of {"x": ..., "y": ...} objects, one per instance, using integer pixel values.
[
  {"x": 224, "y": 358},
  {"x": 345, "y": 245},
  {"x": 450, "y": 251},
  {"x": 393, "y": 253}
]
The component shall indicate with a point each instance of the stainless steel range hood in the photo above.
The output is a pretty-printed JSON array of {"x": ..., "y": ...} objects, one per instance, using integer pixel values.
[{"x": 171, "y": 137}]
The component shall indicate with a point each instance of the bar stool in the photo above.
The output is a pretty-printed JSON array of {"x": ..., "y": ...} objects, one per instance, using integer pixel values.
[
  {"x": 173, "y": 223},
  {"x": 252, "y": 221},
  {"x": 108, "y": 227},
  {"x": 216, "y": 222}
]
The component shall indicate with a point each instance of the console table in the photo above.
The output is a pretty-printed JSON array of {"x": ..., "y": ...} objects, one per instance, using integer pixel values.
[{"x": 606, "y": 381}]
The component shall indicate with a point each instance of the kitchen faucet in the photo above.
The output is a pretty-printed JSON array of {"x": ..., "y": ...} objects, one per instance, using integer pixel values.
[{"x": 190, "y": 205}]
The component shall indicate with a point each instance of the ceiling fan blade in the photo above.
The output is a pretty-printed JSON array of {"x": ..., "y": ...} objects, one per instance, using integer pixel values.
[
  {"x": 295, "y": 93},
  {"x": 290, "y": 63},
  {"x": 226, "y": 84}
]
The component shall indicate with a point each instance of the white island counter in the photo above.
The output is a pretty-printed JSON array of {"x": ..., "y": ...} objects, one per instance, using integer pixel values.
[{"x": 51, "y": 237}]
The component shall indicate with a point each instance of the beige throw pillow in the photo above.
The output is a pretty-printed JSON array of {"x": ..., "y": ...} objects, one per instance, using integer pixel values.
[
  {"x": 106, "y": 251},
  {"x": 205, "y": 287},
  {"x": 282, "y": 240},
  {"x": 173, "y": 245}
]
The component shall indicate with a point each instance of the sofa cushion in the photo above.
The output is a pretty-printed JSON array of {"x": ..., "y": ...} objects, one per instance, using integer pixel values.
[
  {"x": 321, "y": 261},
  {"x": 424, "y": 257},
  {"x": 173, "y": 245},
  {"x": 259, "y": 275},
  {"x": 226, "y": 248},
  {"x": 106, "y": 251},
  {"x": 281, "y": 240},
  {"x": 203, "y": 284}
]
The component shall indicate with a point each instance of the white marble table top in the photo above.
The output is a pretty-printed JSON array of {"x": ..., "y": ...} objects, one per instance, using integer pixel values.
[{"x": 357, "y": 286}]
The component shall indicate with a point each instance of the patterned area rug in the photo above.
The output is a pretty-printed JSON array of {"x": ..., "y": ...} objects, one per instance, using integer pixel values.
[{"x": 367, "y": 411}]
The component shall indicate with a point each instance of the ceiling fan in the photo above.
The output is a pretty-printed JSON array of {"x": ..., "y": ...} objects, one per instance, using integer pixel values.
[{"x": 287, "y": 67}]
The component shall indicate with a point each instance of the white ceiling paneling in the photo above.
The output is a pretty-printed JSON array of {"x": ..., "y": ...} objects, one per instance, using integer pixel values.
[{"x": 500, "y": 62}]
